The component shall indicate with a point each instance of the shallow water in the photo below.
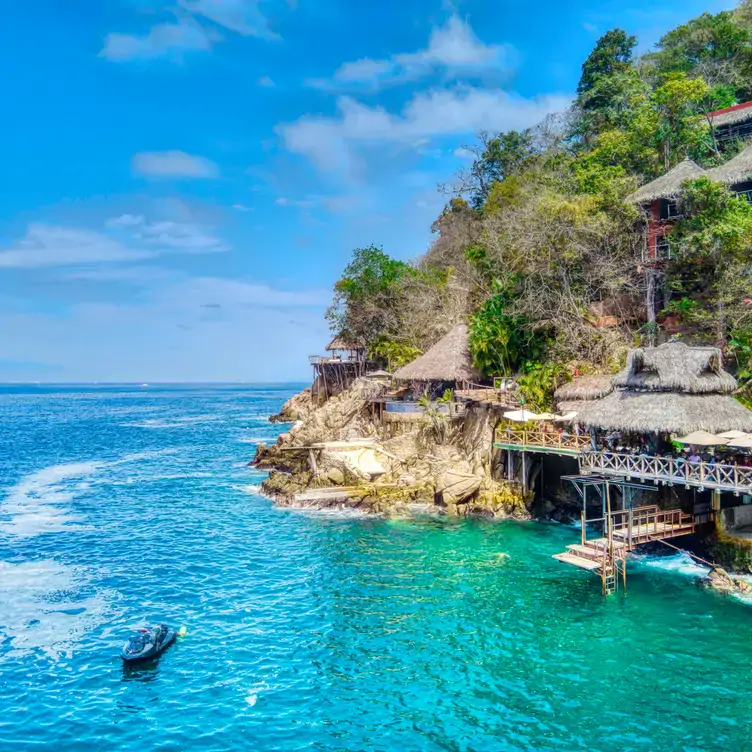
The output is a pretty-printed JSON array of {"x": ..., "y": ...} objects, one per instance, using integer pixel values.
[{"x": 323, "y": 631}]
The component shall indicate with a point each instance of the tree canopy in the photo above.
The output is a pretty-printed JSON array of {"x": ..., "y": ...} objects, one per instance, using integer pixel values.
[{"x": 537, "y": 249}]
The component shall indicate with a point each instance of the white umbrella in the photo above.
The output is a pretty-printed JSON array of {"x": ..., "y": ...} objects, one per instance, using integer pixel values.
[
  {"x": 546, "y": 416},
  {"x": 702, "y": 438},
  {"x": 733, "y": 435},
  {"x": 521, "y": 416},
  {"x": 743, "y": 442},
  {"x": 566, "y": 417}
]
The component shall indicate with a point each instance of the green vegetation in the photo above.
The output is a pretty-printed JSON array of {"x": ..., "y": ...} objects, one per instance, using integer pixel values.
[{"x": 537, "y": 249}]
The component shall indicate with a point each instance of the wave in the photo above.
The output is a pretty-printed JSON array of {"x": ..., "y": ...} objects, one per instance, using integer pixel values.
[
  {"x": 680, "y": 563},
  {"x": 40, "y": 610},
  {"x": 37, "y": 503},
  {"x": 181, "y": 422}
]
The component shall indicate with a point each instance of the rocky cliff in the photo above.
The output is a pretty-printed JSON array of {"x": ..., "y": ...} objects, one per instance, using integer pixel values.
[{"x": 339, "y": 454}]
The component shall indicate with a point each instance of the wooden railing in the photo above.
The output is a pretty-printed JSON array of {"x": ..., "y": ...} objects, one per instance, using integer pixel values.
[
  {"x": 631, "y": 527},
  {"x": 544, "y": 439},
  {"x": 669, "y": 470}
]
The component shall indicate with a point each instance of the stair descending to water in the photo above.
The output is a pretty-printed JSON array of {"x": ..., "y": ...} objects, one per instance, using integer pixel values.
[{"x": 629, "y": 529}]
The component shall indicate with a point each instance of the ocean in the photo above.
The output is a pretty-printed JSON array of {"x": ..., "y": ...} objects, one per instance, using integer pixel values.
[{"x": 127, "y": 505}]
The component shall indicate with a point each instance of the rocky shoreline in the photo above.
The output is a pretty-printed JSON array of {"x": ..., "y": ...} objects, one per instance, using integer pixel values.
[
  {"x": 337, "y": 456},
  {"x": 443, "y": 462}
]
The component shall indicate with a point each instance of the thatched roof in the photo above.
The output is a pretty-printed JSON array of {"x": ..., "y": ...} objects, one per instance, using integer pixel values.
[
  {"x": 667, "y": 185},
  {"x": 676, "y": 367},
  {"x": 574, "y": 406},
  {"x": 584, "y": 388},
  {"x": 643, "y": 412},
  {"x": 739, "y": 113},
  {"x": 340, "y": 343},
  {"x": 448, "y": 360},
  {"x": 735, "y": 171}
]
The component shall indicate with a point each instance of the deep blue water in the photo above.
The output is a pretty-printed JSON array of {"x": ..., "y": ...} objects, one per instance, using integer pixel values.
[{"x": 311, "y": 631}]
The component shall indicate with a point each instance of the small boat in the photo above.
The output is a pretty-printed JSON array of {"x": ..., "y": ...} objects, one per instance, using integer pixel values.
[{"x": 147, "y": 643}]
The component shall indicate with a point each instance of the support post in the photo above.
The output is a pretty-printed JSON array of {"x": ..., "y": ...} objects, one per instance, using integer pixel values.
[{"x": 524, "y": 474}]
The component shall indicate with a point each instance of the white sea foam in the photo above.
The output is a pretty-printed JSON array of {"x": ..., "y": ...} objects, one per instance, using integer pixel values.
[
  {"x": 249, "y": 488},
  {"x": 174, "y": 422},
  {"x": 680, "y": 562},
  {"x": 39, "y": 502},
  {"x": 35, "y": 616},
  {"x": 256, "y": 439}
]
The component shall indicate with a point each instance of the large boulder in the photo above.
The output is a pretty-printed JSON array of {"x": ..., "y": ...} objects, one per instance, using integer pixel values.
[
  {"x": 298, "y": 407},
  {"x": 722, "y": 582},
  {"x": 454, "y": 486}
]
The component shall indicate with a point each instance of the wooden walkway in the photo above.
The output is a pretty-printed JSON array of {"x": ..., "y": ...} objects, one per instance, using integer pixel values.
[
  {"x": 542, "y": 442},
  {"x": 669, "y": 471},
  {"x": 624, "y": 530}
]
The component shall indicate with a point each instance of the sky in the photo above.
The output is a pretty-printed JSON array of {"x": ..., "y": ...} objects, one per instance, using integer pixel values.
[{"x": 184, "y": 180}]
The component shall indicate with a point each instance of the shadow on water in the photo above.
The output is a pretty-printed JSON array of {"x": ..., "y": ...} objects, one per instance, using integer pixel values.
[{"x": 142, "y": 671}]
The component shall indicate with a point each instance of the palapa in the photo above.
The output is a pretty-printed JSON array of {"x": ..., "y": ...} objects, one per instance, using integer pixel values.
[
  {"x": 584, "y": 388},
  {"x": 668, "y": 185},
  {"x": 448, "y": 360},
  {"x": 676, "y": 367},
  {"x": 735, "y": 171},
  {"x": 731, "y": 115},
  {"x": 340, "y": 343},
  {"x": 670, "y": 412}
]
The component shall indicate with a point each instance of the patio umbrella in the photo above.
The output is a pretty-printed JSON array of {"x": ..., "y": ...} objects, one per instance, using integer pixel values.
[
  {"x": 546, "y": 416},
  {"x": 733, "y": 435},
  {"x": 566, "y": 417},
  {"x": 702, "y": 438},
  {"x": 743, "y": 442},
  {"x": 521, "y": 416}
]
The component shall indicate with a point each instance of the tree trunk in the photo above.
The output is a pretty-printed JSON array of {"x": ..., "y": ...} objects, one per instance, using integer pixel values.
[{"x": 650, "y": 303}]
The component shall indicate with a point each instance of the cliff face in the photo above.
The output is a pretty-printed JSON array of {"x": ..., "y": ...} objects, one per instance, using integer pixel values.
[
  {"x": 298, "y": 407},
  {"x": 338, "y": 455}
]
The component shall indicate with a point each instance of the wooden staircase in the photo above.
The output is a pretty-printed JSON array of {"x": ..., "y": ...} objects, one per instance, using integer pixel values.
[{"x": 624, "y": 530}]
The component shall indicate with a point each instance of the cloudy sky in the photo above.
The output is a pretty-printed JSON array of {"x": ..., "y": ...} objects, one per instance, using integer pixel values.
[{"x": 183, "y": 180}]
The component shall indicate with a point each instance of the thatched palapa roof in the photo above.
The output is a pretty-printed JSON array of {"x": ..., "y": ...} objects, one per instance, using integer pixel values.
[
  {"x": 735, "y": 171},
  {"x": 672, "y": 388},
  {"x": 668, "y": 185},
  {"x": 448, "y": 360},
  {"x": 671, "y": 412},
  {"x": 739, "y": 113},
  {"x": 340, "y": 343},
  {"x": 584, "y": 388},
  {"x": 676, "y": 367}
]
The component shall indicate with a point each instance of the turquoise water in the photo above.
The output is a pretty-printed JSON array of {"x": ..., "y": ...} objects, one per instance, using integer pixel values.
[{"x": 314, "y": 631}]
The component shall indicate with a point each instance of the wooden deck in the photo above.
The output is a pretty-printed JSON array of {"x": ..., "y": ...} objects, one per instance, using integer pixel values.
[
  {"x": 625, "y": 530},
  {"x": 544, "y": 442},
  {"x": 669, "y": 471}
]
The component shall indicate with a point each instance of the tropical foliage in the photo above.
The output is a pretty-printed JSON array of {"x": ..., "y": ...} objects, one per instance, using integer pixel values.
[{"x": 537, "y": 247}]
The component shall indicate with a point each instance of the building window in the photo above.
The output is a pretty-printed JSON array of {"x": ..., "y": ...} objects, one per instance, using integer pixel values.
[
  {"x": 663, "y": 248},
  {"x": 669, "y": 209}
]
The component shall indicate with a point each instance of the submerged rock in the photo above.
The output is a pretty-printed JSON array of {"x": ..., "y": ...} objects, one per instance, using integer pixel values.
[{"x": 722, "y": 582}]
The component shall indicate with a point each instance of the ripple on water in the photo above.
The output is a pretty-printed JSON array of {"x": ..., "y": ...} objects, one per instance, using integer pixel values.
[{"x": 313, "y": 629}]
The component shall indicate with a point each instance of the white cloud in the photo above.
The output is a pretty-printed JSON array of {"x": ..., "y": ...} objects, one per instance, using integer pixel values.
[
  {"x": 162, "y": 164},
  {"x": 45, "y": 245},
  {"x": 162, "y": 40},
  {"x": 464, "y": 153},
  {"x": 184, "y": 236},
  {"x": 302, "y": 204},
  {"x": 125, "y": 238},
  {"x": 124, "y": 220},
  {"x": 453, "y": 48},
  {"x": 266, "y": 82},
  {"x": 241, "y": 16},
  {"x": 332, "y": 142},
  {"x": 242, "y": 208}
]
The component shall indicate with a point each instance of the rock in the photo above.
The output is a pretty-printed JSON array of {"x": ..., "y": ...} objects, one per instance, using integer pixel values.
[
  {"x": 453, "y": 486},
  {"x": 298, "y": 407},
  {"x": 335, "y": 476},
  {"x": 722, "y": 582}
]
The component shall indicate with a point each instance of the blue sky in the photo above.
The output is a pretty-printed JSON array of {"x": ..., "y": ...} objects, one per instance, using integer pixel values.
[{"x": 184, "y": 180}]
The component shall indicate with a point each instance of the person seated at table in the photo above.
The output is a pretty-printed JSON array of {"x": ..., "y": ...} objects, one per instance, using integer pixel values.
[{"x": 694, "y": 457}]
